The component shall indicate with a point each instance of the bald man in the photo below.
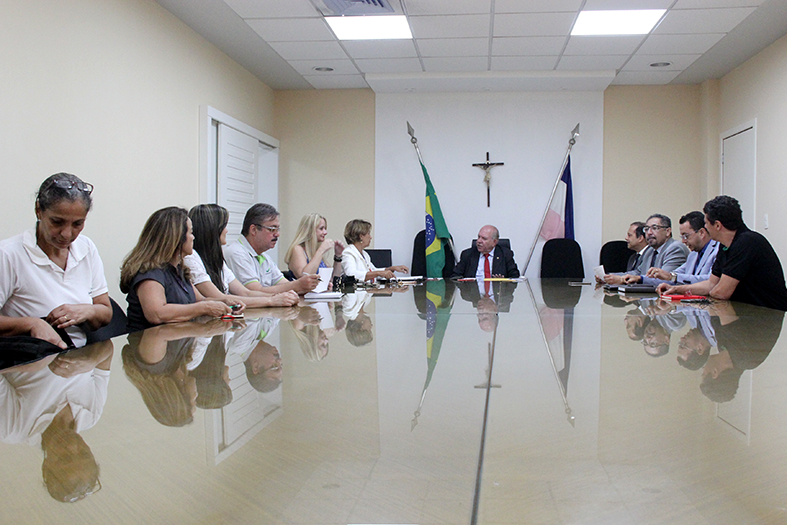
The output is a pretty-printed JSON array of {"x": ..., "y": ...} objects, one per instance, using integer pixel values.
[{"x": 487, "y": 259}]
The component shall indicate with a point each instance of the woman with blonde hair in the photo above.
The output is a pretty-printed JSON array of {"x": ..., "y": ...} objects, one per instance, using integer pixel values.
[
  {"x": 157, "y": 282},
  {"x": 210, "y": 274},
  {"x": 310, "y": 245}
]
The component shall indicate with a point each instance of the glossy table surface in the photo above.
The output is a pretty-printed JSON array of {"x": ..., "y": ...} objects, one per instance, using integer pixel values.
[{"x": 534, "y": 402}]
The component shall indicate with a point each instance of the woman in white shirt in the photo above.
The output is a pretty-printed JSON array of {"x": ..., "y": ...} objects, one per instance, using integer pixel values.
[
  {"x": 210, "y": 274},
  {"x": 51, "y": 278},
  {"x": 355, "y": 260}
]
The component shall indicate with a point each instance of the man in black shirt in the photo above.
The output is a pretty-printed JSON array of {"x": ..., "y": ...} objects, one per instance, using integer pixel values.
[{"x": 747, "y": 268}]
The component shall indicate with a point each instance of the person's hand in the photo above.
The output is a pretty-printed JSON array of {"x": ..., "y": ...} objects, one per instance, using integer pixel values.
[
  {"x": 613, "y": 279},
  {"x": 309, "y": 315},
  {"x": 666, "y": 289},
  {"x": 324, "y": 246},
  {"x": 215, "y": 308},
  {"x": 40, "y": 329},
  {"x": 599, "y": 281},
  {"x": 306, "y": 283},
  {"x": 68, "y": 365},
  {"x": 67, "y": 315},
  {"x": 385, "y": 274},
  {"x": 288, "y": 298},
  {"x": 632, "y": 279},
  {"x": 400, "y": 269},
  {"x": 658, "y": 273},
  {"x": 338, "y": 248},
  {"x": 234, "y": 302}
]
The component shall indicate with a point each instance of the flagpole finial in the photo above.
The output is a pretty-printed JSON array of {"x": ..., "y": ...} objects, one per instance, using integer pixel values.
[
  {"x": 411, "y": 132},
  {"x": 574, "y": 135}
]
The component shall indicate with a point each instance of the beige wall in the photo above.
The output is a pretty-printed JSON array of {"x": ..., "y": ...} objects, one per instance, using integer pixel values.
[
  {"x": 652, "y": 154},
  {"x": 756, "y": 90},
  {"x": 111, "y": 91},
  {"x": 326, "y": 161}
]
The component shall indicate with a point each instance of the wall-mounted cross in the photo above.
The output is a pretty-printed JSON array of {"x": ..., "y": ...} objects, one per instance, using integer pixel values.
[{"x": 487, "y": 166}]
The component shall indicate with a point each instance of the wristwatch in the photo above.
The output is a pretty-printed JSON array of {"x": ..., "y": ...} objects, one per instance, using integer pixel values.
[
  {"x": 336, "y": 258},
  {"x": 674, "y": 276}
]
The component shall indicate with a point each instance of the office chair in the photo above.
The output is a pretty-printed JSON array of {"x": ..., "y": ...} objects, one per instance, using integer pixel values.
[
  {"x": 614, "y": 256},
  {"x": 562, "y": 258},
  {"x": 380, "y": 258},
  {"x": 418, "y": 266}
]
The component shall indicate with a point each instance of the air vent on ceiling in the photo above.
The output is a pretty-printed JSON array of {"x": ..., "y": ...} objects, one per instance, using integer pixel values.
[{"x": 358, "y": 7}]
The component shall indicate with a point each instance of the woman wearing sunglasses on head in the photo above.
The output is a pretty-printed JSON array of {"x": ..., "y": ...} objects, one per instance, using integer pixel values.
[
  {"x": 210, "y": 274},
  {"x": 52, "y": 283},
  {"x": 156, "y": 280}
]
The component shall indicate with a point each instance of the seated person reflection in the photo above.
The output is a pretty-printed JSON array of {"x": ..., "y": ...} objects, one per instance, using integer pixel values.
[
  {"x": 665, "y": 252},
  {"x": 211, "y": 374},
  {"x": 156, "y": 281},
  {"x": 747, "y": 268},
  {"x": 310, "y": 245},
  {"x": 210, "y": 273},
  {"x": 355, "y": 260},
  {"x": 487, "y": 259},
  {"x": 245, "y": 258},
  {"x": 701, "y": 257},
  {"x": 50, "y": 402},
  {"x": 359, "y": 325},
  {"x": 261, "y": 359},
  {"x": 51, "y": 277}
]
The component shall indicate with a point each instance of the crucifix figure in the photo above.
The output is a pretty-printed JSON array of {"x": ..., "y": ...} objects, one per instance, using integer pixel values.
[{"x": 487, "y": 167}]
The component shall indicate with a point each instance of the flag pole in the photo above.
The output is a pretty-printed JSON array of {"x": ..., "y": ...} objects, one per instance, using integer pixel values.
[
  {"x": 571, "y": 142},
  {"x": 411, "y": 132}
]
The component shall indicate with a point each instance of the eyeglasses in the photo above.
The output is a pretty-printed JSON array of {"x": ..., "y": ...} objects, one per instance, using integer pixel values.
[
  {"x": 685, "y": 236},
  {"x": 272, "y": 229},
  {"x": 655, "y": 228},
  {"x": 65, "y": 184}
]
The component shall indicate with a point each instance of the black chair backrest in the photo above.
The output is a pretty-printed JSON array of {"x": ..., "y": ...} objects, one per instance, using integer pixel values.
[
  {"x": 288, "y": 275},
  {"x": 418, "y": 266},
  {"x": 117, "y": 326},
  {"x": 614, "y": 256},
  {"x": 380, "y": 258},
  {"x": 562, "y": 258}
]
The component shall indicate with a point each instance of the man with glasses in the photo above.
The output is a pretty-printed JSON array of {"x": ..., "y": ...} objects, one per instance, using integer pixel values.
[
  {"x": 699, "y": 262},
  {"x": 747, "y": 268},
  {"x": 665, "y": 252},
  {"x": 245, "y": 257}
]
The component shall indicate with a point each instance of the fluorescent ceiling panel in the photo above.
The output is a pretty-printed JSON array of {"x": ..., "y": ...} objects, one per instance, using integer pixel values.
[
  {"x": 636, "y": 22},
  {"x": 386, "y": 27}
]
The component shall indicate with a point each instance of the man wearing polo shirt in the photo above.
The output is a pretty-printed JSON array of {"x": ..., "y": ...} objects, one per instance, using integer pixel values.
[
  {"x": 246, "y": 260},
  {"x": 700, "y": 261},
  {"x": 747, "y": 268}
]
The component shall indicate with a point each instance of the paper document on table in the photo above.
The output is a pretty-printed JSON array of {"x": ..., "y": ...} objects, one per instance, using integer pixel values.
[{"x": 325, "y": 279}]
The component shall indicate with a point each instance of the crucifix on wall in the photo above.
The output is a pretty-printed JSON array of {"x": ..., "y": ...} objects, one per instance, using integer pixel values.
[{"x": 487, "y": 167}]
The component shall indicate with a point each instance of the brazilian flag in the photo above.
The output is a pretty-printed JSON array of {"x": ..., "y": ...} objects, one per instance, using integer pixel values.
[
  {"x": 436, "y": 323},
  {"x": 436, "y": 231}
]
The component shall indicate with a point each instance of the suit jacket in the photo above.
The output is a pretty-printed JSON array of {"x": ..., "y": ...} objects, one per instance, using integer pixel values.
[
  {"x": 670, "y": 256},
  {"x": 501, "y": 293},
  {"x": 502, "y": 263},
  {"x": 686, "y": 274},
  {"x": 642, "y": 264}
]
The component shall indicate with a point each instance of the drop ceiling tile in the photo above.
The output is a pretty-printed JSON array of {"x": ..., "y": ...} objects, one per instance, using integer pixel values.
[
  {"x": 594, "y": 5},
  {"x": 434, "y": 65},
  {"x": 257, "y": 9},
  {"x": 536, "y": 6},
  {"x": 523, "y": 63},
  {"x": 457, "y": 26},
  {"x": 708, "y": 4},
  {"x": 389, "y": 65},
  {"x": 527, "y": 45},
  {"x": 603, "y": 45},
  {"x": 690, "y": 21},
  {"x": 642, "y": 62},
  {"x": 309, "y": 50},
  {"x": 453, "y": 47},
  {"x": 591, "y": 63},
  {"x": 538, "y": 24},
  {"x": 340, "y": 67},
  {"x": 380, "y": 48},
  {"x": 679, "y": 44},
  {"x": 645, "y": 77},
  {"x": 448, "y": 7},
  {"x": 292, "y": 29},
  {"x": 336, "y": 81}
]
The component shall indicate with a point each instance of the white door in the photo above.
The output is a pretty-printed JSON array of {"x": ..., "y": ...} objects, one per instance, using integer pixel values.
[
  {"x": 738, "y": 170},
  {"x": 237, "y": 175}
]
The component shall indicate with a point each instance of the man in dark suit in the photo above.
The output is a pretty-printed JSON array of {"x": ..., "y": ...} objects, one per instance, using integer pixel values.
[{"x": 487, "y": 259}]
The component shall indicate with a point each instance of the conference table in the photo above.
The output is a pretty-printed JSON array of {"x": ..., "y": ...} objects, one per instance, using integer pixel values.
[{"x": 440, "y": 403}]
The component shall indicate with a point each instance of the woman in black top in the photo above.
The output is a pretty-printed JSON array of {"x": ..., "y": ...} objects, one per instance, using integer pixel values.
[{"x": 155, "y": 278}]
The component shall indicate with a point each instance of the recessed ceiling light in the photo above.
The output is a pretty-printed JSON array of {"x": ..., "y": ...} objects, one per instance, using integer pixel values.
[
  {"x": 323, "y": 69},
  {"x": 661, "y": 64},
  {"x": 634, "y": 22},
  {"x": 382, "y": 27}
]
